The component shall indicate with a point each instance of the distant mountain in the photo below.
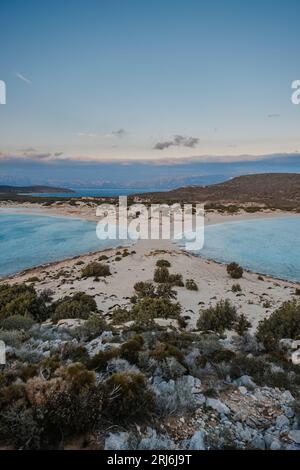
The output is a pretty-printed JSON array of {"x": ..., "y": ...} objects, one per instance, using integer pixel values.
[
  {"x": 277, "y": 190},
  {"x": 5, "y": 189}
]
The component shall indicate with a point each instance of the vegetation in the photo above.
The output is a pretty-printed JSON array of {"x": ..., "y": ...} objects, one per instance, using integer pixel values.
[
  {"x": 283, "y": 323},
  {"x": 21, "y": 299},
  {"x": 161, "y": 263},
  {"x": 190, "y": 284},
  {"x": 95, "y": 269},
  {"x": 80, "y": 305},
  {"x": 235, "y": 270},
  {"x": 219, "y": 318}
]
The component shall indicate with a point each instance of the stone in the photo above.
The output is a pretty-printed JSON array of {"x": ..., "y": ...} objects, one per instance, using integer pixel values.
[
  {"x": 117, "y": 441},
  {"x": 258, "y": 442},
  {"x": 275, "y": 445},
  {"x": 282, "y": 421},
  {"x": 217, "y": 405},
  {"x": 243, "y": 390},
  {"x": 197, "y": 441},
  {"x": 246, "y": 381},
  {"x": 295, "y": 436}
]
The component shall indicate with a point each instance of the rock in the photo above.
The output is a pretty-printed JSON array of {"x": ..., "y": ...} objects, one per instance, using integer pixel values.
[
  {"x": 246, "y": 381},
  {"x": 217, "y": 405},
  {"x": 295, "y": 436},
  {"x": 258, "y": 442},
  {"x": 117, "y": 441},
  {"x": 70, "y": 323},
  {"x": 275, "y": 445},
  {"x": 154, "y": 441},
  {"x": 199, "y": 399},
  {"x": 243, "y": 390},
  {"x": 197, "y": 441},
  {"x": 282, "y": 421},
  {"x": 287, "y": 397}
]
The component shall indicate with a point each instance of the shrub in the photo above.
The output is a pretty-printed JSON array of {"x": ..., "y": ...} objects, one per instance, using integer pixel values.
[
  {"x": 17, "y": 322},
  {"x": 92, "y": 327},
  {"x": 191, "y": 284},
  {"x": 80, "y": 305},
  {"x": 297, "y": 291},
  {"x": 95, "y": 269},
  {"x": 165, "y": 291},
  {"x": 100, "y": 360},
  {"x": 218, "y": 318},
  {"x": 283, "y": 323},
  {"x": 242, "y": 325},
  {"x": 144, "y": 289},
  {"x": 163, "y": 263},
  {"x": 235, "y": 271},
  {"x": 176, "y": 280},
  {"x": 164, "y": 350},
  {"x": 161, "y": 275},
  {"x": 236, "y": 288},
  {"x": 121, "y": 315},
  {"x": 103, "y": 258},
  {"x": 128, "y": 397},
  {"x": 147, "y": 309},
  {"x": 131, "y": 348},
  {"x": 21, "y": 299}
]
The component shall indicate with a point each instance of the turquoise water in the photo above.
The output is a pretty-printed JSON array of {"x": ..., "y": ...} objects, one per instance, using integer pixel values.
[
  {"x": 31, "y": 240},
  {"x": 268, "y": 246}
]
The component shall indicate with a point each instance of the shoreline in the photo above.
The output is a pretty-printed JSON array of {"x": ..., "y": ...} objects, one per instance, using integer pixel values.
[{"x": 211, "y": 219}]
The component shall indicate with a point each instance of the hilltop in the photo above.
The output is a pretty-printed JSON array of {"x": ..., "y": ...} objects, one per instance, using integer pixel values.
[{"x": 276, "y": 190}]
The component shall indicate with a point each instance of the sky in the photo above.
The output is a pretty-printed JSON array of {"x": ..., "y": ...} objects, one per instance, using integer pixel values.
[{"x": 106, "y": 80}]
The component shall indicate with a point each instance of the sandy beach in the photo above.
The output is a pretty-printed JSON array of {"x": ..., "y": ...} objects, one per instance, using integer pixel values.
[{"x": 257, "y": 299}]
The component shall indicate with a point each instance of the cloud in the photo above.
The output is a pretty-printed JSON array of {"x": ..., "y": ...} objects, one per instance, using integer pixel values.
[
  {"x": 86, "y": 134},
  {"x": 177, "y": 141},
  {"x": 23, "y": 78},
  {"x": 119, "y": 133}
]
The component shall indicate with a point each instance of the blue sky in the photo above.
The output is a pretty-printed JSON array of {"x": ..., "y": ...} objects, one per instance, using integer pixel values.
[{"x": 115, "y": 79}]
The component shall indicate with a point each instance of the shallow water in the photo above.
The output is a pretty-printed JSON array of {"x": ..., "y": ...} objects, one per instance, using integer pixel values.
[
  {"x": 268, "y": 246},
  {"x": 30, "y": 240}
]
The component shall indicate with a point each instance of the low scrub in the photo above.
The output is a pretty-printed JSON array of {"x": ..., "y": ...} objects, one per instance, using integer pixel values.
[
  {"x": 219, "y": 318},
  {"x": 235, "y": 270},
  {"x": 283, "y": 323},
  {"x": 80, "y": 305},
  {"x": 95, "y": 269}
]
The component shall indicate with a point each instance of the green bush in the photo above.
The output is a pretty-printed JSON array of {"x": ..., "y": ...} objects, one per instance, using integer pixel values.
[
  {"x": 161, "y": 263},
  {"x": 219, "y": 318},
  {"x": 235, "y": 270},
  {"x": 161, "y": 275},
  {"x": 95, "y": 269},
  {"x": 17, "y": 322},
  {"x": 21, "y": 299},
  {"x": 121, "y": 315},
  {"x": 283, "y": 323},
  {"x": 145, "y": 310},
  {"x": 147, "y": 289},
  {"x": 128, "y": 397},
  {"x": 190, "y": 284},
  {"x": 131, "y": 348},
  {"x": 144, "y": 289},
  {"x": 165, "y": 291},
  {"x": 236, "y": 288},
  {"x": 99, "y": 362},
  {"x": 242, "y": 325},
  {"x": 92, "y": 327},
  {"x": 176, "y": 280},
  {"x": 80, "y": 305}
]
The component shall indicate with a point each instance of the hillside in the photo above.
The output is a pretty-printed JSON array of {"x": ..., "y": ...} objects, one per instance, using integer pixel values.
[
  {"x": 278, "y": 190},
  {"x": 5, "y": 189}
]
